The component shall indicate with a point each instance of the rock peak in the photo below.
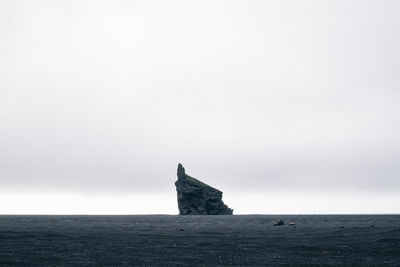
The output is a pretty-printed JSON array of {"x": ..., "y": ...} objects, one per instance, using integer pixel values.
[
  {"x": 181, "y": 171},
  {"x": 198, "y": 198}
]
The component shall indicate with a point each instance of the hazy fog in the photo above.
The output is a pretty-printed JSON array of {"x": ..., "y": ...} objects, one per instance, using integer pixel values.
[{"x": 103, "y": 98}]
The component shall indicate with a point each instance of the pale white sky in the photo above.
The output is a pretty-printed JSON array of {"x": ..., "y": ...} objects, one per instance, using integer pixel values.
[{"x": 286, "y": 106}]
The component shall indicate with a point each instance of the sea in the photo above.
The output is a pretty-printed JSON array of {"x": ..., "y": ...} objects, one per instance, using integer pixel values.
[{"x": 173, "y": 240}]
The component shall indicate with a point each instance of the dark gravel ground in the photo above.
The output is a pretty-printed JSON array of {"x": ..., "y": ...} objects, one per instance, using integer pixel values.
[{"x": 167, "y": 240}]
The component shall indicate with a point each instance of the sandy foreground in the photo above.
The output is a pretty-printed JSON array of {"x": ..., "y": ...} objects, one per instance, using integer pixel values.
[{"x": 169, "y": 240}]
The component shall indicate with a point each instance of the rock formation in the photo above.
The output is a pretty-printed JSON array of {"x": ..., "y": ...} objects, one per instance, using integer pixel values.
[{"x": 198, "y": 198}]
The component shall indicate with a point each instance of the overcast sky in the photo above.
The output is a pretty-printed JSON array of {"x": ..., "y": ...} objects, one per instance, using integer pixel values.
[{"x": 262, "y": 99}]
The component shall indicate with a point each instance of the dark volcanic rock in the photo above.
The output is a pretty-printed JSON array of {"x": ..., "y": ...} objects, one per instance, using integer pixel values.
[
  {"x": 279, "y": 223},
  {"x": 198, "y": 198}
]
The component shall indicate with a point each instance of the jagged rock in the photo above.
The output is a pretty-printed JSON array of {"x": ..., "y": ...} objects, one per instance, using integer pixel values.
[
  {"x": 198, "y": 198},
  {"x": 279, "y": 223}
]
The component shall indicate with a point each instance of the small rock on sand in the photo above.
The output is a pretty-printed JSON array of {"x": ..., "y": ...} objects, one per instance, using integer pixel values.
[{"x": 279, "y": 223}]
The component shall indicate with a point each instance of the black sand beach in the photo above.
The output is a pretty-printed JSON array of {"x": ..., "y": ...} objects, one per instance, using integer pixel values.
[{"x": 166, "y": 240}]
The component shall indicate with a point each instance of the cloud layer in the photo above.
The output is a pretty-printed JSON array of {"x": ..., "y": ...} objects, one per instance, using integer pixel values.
[{"x": 251, "y": 96}]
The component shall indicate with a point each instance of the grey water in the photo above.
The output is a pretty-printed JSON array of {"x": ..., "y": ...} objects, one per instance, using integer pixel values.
[{"x": 171, "y": 240}]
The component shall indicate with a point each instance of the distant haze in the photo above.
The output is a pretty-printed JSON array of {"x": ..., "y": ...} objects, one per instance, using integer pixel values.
[{"x": 286, "y": 106}]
